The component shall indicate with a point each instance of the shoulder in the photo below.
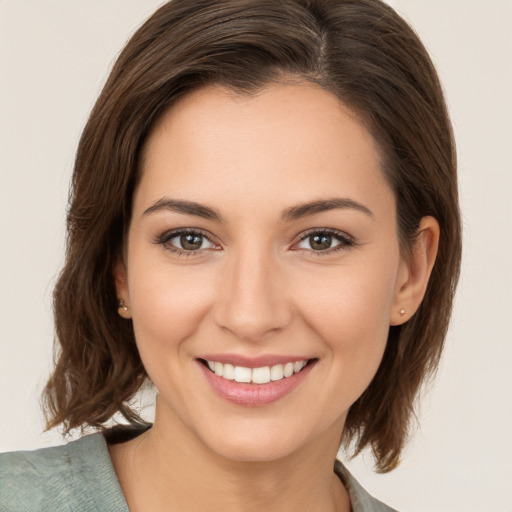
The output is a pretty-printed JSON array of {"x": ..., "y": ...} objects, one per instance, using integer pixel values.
[
  {"x": 28, "y": 479},
  {"x": 78, "y": 475},
  {"x": 361, "y": 500}
]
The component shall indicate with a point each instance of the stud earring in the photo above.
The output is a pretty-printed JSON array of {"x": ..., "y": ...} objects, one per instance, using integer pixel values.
[
  {"x": 402, "y": 312},
  {"x": 122, "y": 308}
]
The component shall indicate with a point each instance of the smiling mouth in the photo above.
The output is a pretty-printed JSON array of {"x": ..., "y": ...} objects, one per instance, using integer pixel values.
[{"x": 261, "y": 375}]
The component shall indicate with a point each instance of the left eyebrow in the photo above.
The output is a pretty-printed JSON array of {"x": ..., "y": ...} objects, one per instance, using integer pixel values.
[
  {"x": 307, "y": 209},
  {"x": 185, "y": 208}
]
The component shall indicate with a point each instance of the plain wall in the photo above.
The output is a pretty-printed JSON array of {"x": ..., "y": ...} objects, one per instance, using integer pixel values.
[{"x": 54, "y": 57}]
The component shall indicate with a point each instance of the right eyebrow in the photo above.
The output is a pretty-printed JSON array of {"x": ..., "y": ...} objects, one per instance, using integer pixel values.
[
  {"x": 324, "y": 205},
  {"x": 184, "y": 207}
]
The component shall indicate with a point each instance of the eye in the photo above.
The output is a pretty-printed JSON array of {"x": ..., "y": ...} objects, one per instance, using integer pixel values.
[
  {"x": 324, "y": 241},
  {"x": 186, "y": 241}
]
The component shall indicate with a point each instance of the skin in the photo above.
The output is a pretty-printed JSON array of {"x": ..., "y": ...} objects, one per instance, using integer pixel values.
[{"x": 257, "y": 286}]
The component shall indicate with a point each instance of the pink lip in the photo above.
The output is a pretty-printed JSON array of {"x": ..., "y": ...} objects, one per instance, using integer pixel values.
[
  {"x": 253, "y": 362},
  {"x": 254, "y": 395}
]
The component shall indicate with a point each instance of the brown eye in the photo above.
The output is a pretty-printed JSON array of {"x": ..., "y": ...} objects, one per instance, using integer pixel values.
[
  {"x": 320, "y": 242},
  {"x": 186, "y": 241},
  {"x": 191, "y": 242},
  {"x": 325, "y": 241}
]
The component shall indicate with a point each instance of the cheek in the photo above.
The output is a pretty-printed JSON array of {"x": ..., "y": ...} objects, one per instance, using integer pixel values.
[
  {"x": 350, "y": 313},
  {"x": 168, "y": 303},
  {"x": 349, "y": 299}
]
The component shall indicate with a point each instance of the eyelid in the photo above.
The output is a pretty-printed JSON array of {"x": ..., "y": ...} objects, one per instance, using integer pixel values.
[
  {"x": 346, "y": 241},
  {"x": 165, "y": 237}
]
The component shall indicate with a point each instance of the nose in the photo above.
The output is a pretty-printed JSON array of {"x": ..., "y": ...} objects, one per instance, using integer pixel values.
[{"x": 252, "y": 300}]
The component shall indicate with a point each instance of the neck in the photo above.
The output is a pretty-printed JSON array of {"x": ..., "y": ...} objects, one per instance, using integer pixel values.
[{"x": 168, "y": 465}]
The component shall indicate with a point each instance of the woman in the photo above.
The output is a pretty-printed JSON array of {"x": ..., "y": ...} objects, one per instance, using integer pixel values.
[{"x": 264, "y": 224}]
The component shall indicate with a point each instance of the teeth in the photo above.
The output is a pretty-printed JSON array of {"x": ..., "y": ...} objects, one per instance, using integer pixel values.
[
  {"x": 276, "y": 372},
  {"x": 228, "y": 372},
  {"x": 297, "y": 367},
  {"x": 242, "y": 374},
  {"x": 262, "y": 375},
  {"x": 288, "y": 370}
]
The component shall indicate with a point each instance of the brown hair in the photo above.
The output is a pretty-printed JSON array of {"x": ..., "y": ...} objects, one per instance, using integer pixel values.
[{"x": 360, "y": 50}]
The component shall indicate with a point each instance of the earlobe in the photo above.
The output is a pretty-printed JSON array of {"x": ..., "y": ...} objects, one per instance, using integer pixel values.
[
  {"x": 121, "y": 282},
  {"x": 123, "y": 310},
  {"x": 415, "y": 272}
]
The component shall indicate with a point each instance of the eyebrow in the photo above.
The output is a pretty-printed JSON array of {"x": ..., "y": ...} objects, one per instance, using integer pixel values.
[
  {"x": 290, "y": 214},
  {"x": 184, "y": 207},
  {"x": 308, "y": 209}
]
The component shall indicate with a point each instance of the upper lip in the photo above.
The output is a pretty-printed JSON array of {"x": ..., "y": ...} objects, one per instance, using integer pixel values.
[{"x": 253, "y": 362}]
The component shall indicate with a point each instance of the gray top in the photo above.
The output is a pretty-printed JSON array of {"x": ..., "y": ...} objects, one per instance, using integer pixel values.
[{"x": 80, "y": 477}]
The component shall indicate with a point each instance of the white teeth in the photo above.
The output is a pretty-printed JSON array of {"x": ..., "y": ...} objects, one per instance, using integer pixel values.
[
  {"x": 297, "y": 367},
  {"x": 276, "y": 372},
  {"x": 242, "y": 374},
  {"x": 262, "y": 375},
  {"x": 288, "y": 370},
  {"x": 228, "y": 372}
]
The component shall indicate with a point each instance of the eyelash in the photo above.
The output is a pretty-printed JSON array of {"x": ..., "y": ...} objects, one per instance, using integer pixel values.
[
  {"x": 165, "y": 238},
  {"x": 345, "y": 241}
]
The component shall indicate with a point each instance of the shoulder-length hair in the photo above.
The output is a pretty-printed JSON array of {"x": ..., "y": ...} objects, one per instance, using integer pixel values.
[{"x": 359, "y": 50}]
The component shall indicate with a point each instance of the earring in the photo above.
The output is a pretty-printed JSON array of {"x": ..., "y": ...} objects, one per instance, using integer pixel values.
[
  {"x": 402, "y": 312},
  {"x": 122, "y": 308}
]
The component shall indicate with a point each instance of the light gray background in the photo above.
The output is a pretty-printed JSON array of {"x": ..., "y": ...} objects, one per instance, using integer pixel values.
[{"x": 54, "y": 57}]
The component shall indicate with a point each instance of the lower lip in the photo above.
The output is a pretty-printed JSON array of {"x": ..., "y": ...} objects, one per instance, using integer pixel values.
[{"x": 254, "y": 395}]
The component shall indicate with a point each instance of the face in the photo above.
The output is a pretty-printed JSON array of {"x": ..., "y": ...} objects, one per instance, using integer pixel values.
[{"x": 263, "y": 245}]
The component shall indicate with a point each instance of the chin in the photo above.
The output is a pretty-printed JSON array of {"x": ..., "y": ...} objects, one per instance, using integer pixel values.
[
  {"x": 260, "y": 450},
  {"x": 256, "y": 441}
]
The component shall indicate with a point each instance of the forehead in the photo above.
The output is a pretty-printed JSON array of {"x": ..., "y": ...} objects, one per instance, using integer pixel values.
[{"x": 285, "y": 141}]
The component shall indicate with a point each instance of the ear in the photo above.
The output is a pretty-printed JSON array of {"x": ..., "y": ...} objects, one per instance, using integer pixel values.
[
  {"x": 414, "y": 272},
  {"x": 121, "y": 282}
]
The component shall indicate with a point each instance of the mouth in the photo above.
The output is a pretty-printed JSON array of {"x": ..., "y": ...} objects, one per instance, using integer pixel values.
[
  {"x": 254, "y": 381},
  {"x": 258, "y": 376}
]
